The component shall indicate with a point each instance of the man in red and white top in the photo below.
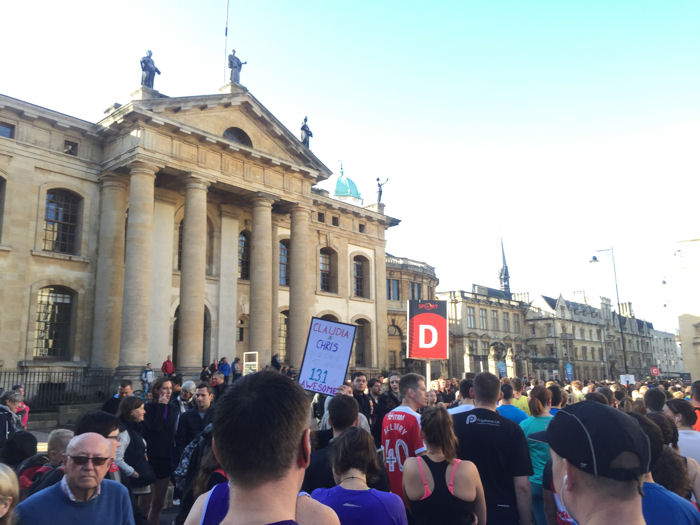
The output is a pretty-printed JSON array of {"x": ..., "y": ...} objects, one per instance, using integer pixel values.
[{"x": 401, "y": 429}]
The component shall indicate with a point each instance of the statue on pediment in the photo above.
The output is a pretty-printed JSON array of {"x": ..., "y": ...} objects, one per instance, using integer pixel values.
[
  {"x": 380, "y": 186},
  {"x": 236, "y": 65},
  {"x": 305, "y": 133},
  {"x": 148, "y": 70}
]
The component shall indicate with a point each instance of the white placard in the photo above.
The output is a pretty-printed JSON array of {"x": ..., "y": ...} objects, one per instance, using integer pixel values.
[
  {"x": 627, "y": 379},
  {"x": 327, "y": 355},
  {"x": 250, "y": 362}
]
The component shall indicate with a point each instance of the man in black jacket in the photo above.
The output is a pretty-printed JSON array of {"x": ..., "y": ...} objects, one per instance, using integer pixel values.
[
  {"x": 359, "y": 385},
  {"x": 125, "y": 390},
  {"x": 196, "y": 418}
]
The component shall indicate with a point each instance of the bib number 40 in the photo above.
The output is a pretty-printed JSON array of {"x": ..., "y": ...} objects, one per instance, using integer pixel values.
[{"x": 393, "y": 455}]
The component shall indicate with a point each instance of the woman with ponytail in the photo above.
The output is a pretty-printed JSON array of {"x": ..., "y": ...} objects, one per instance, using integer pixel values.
[
  {"x": 439, "y": 487},
  {"x": 540, "y": 402}
]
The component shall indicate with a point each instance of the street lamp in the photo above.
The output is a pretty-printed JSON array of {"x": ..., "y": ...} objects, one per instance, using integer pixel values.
[{"x": 595, "y": 259}]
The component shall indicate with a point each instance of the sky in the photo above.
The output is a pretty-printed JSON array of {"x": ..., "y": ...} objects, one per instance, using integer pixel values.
[{"x": 563, "y": 128}]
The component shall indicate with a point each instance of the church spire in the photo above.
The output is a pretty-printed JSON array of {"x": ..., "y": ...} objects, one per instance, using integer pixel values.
[{"x": 504, "y": 276}]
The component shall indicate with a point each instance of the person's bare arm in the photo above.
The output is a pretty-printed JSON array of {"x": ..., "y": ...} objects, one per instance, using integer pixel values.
[
  {"x": 195, "y": 515},
  {"x": 312, "y": 512},
  {"x": 694, "y": 475},
  {"x": 480, "y": 501},
  {"x": 523, "y": 498},
  {"x": 550, "y": 507}
]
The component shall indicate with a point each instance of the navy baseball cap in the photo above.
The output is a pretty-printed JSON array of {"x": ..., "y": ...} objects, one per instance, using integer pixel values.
[{"x": 599, "y": 440}]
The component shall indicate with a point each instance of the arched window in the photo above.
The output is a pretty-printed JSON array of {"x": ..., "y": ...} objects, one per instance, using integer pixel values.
[
  {"x": 244, "y": 256},
  {"x": 329, "y": 317},
  {"x": 61, "y": 218},
  {"x": 238, "y": 136},
  {"x": 360, "y": 276},
  {"x": 328, "y": 270},
  {"x": 283, "y": 342},
  {"x": 54, "y": 317},
  {"x": 284, "y": 263}
]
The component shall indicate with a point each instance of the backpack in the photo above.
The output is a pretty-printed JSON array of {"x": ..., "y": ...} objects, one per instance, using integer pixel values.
[{"x": 188, "y": 468}]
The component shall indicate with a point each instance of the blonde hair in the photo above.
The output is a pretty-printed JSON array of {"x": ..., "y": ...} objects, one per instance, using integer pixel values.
[{"x": 9, "y": 488}]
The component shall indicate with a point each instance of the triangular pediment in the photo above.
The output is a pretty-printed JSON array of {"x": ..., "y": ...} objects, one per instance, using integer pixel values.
[{"x": 213, "y": 115}]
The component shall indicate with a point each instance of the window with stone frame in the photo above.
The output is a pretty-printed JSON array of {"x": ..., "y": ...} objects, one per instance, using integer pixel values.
[
  {"x": 7, "y": 130},
  {"x": 471, "y": 317},
  {"x": 283, "y": 347},
  {"x": 54, "y": 318},
  {"x": 244, "y": 256},
  {"x": 483, "y": 321},
  {"x": 506, "y": 322},
  {"x": 392, "y": 290},
  {"x": 328, "y": 270},
  {"x": 416, "y": 289},
  {"x": 516, "y": 323},
  {"x": 494, "y": 320},
  {"x": 360, "y": 276},
  {"x": 284, "y": 263},
  {"x": 61, "y": 221}
]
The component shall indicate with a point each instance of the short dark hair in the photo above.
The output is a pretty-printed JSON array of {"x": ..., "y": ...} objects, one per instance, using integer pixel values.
[
  {"x": 653, "y": 432},
  {"x": 259, "y": 422},
  {"x": 668, "y": 428},
  {"x": 654, "y": 399},
  {"x": 372, "y": 382},
  {"x": 487, "y": 388},
  {"x": 695, "y": 389},
  {"x": 98, "y": 421},
  {"x": 465, "y": 386},
  {"x": 124, "y": 383},
  {"x": 177, "y": 379},
  {"x": 409, "y": 381},
  {"x": 208, "y": 386},
  {"x": 684, "y": 409},
  {"x": 607, "y": 392},
  {"x": 342, "y": 412},
  {"x": 126, "y": 406},
  {"x": 355, "y": 448},
  {"x": 158, "y": 384},
  {"x": 597, "y": 397},
  {"x": 358, "y": 374},
  {"x": 556, "y": 394},
  {"x": 507, "y": 391},
  {"x": 517, "y": 384}
]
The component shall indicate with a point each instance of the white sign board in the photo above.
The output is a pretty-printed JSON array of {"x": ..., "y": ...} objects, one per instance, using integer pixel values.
[
  {"x": 250, "y": 363},
  {"x": 627, "y": 379},
  {"x": 327, "y": 355}
]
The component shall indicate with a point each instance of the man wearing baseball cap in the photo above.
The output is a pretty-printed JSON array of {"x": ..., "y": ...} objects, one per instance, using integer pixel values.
[{"x": 599, "y": 455}]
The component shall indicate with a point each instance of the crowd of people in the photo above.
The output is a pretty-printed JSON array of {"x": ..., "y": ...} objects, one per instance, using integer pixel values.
[{"x": 256, "y": 448}]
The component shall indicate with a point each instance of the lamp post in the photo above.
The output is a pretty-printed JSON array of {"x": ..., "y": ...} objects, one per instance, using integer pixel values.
[{"x": 595, "y": 259}]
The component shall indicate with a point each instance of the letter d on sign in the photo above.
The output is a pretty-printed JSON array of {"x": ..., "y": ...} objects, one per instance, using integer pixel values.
[{"x": 422, "y": 343}]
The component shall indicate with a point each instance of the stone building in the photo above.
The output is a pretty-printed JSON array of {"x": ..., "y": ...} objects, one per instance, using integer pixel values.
[
  {"x": 405, "y": 280},
  {"x": 689, "y": 335},
  {"x": 486, "y": 332},
  {"x": 186, "y": 226},
  {"x": 666, "y": 353}
]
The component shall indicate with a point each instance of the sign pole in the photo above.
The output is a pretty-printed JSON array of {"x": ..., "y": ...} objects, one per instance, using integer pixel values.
[{"x": 427, "y": 372}]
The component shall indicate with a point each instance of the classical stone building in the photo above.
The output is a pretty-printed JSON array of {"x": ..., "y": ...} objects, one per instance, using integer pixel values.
[
  {"x": 186, "y": 226},
  {"x": 405, "y": 280},
  {"x": 689, "y": 335},
  {"x": 666, "y": 353}
]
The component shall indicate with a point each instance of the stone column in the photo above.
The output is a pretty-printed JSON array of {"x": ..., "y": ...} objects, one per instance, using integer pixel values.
[
  {"x": 261, "y": 280},
  {"x": 301, "y": 273},
  {"x": 380, "y": 357},
  {"x": 193, "y": 275},
  {"x": 109, "y": 277},
  {"x": 228, "y": 285},
  {"x": 274, "y": 305},
  {"x": 137, "y": 271}
]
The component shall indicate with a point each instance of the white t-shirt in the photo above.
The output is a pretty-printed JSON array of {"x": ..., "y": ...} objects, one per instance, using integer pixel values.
[
  {"x": 689, "y": 444},
  {"x": 460, "y": 408}
]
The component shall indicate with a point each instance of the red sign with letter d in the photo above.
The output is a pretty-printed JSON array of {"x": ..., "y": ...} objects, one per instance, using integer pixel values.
[{"x": 428, "y": 335}]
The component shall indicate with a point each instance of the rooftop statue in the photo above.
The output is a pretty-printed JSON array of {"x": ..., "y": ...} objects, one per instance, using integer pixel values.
[
  {"x": 148, "y": 70},
  {"x": 380, "y": 185},
  {"x": 305, "y": 133},
  {"x": 236, "y": 65}
]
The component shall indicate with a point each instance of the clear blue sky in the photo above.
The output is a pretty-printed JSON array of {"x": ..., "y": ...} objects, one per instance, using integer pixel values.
[{"x": 564, "y": 127}]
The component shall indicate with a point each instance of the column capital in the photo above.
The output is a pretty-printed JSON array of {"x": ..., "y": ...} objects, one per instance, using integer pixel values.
[
  {"x": 300, "y": 208},
  {"x": 263, "y": 199},
  {"x": 195, "y": 182},
  {"x": 143, "y": 167},
  {"x": 112, "y": 180}
]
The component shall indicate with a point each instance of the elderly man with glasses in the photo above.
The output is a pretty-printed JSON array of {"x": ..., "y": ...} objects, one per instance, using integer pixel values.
[{"x": 83, "y": 495}]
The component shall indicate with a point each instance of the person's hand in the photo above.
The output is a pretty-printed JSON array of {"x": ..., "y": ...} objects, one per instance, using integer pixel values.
[
  {"x": 163, "y": 398},
  {"x": 134, "y": 474}
]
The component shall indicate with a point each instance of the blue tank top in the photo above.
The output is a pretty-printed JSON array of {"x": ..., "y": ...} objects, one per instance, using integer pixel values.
[{"x": 216, "y": 507}]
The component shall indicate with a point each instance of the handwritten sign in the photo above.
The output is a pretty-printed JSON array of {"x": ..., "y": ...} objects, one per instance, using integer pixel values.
[{"x": 327, "y": 355}]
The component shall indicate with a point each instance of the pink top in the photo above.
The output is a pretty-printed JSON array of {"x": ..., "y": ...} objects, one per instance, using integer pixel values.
[{"x": 450, "y": 486}]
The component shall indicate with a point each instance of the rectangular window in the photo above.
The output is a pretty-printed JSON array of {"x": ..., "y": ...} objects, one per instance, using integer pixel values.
[
  {"x": 284, "y": 264},
  {"x": 325, "y": 267},
  {"x": 70, "y": 148},
  {"x": 598, "y": 333},
  {"x": 53, "y": 320},
  {"x": 506, "y": 322},
  {"x": 549, "y": 330},
  {"x": 482, "y": 319},
  {"x": 335, "y": 221},
  {"x": 240, "y": 333},
  {"x": 582, "y": 332},
  {"x": 516, "y": 323},
  {"x": 61, "y": 221},
  {"x": 485, "y": 346},
  {"x": 584, "y": 352},
  {"x": 362, "y": 228},
  {"x": 471, "y": 317},
  {"x": 7, "y": 130},
  {"x": 494, "y": 320},
  {"x": 532, "y": 329},
  {"x": 395, "y": 296},
  {"x": 321, "y": 217},
  {"x": 359, "y": 278},
  {"x": 416, "y": 291},
  {"x": 392, "y": 360}
]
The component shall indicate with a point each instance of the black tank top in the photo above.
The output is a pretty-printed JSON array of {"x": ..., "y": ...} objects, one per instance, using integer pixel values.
[{"x": 441, "y": 505}]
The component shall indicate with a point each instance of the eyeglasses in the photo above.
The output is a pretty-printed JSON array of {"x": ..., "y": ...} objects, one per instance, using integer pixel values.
[
  {"x": 82, "y": 460},
  {"x": 116, "y": 438}
]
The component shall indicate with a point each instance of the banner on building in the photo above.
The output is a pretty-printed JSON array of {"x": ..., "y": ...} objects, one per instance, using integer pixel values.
[
  {"x": 327, "y": 356},
  {"x": 569, "y": 369},
  {"x": 502, "y": 370},
  {"x": 428, "y": 335}
]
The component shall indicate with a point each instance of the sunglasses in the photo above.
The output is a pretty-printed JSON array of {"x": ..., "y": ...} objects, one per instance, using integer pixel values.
[{"x": 82, "y": 460}]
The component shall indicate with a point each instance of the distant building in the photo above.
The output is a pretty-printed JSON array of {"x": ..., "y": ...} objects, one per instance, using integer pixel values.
[{"x": 689, "y": 334}]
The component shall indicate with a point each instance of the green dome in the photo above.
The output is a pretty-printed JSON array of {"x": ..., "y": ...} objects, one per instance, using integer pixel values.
[{"x": 345, "y": 187}]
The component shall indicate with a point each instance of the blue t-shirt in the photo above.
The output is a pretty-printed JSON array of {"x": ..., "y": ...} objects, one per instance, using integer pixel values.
[
  {"x": 51, "y": 505},
  {"x": 363, "y": 507},
  {"x": 512, "y": 412},
  {"x": 660, "y": 506}
]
